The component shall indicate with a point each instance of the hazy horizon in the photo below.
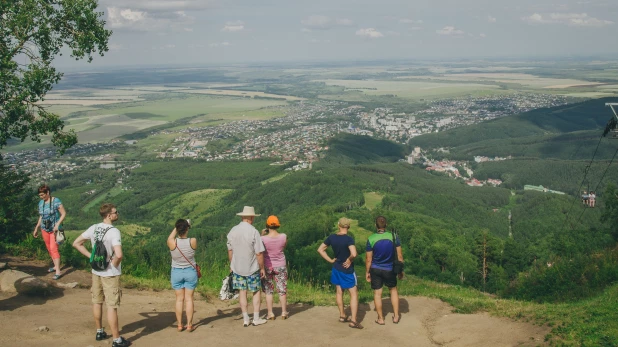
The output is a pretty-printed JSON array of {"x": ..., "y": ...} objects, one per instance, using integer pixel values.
[{"x": 205, "y": 32}]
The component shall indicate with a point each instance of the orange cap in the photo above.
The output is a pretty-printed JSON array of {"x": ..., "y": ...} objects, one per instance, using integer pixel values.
[{"x": 272, "y": 221}]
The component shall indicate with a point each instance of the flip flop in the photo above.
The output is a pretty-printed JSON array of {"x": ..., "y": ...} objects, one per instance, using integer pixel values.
[
  {"x": 343, "y": 319},
  {"x": 57, "y": 277},
  {"x": 398, "y": 319},
  {"x": 378, "y": 322},
  {"x": 51, "y": 269},
  {"x": 355, "y": 325}
]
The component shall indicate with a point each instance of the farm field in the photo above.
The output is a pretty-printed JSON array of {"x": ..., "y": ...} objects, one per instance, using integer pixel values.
[
  {"x": 241, "y": 93},
  {"x": 408, "y": 89}
]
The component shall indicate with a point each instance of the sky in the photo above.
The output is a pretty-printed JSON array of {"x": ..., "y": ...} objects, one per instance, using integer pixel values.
[{"x": 204, "y": 32}]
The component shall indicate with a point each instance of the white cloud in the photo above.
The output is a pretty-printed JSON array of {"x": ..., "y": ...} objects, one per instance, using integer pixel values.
[
  {"x": 483, "y": 35},
  {"x": 220, "y": 44},
  {"x": 305, "y": 30},
  {"x": 491, "y": 19},
  {"x": 234, "y": 26},
  {"x": 570, "y": 19},
  {"x": 160, "y": 5},
  {"x": 410, "y": 21},
  {"x": 320, "y": 22},
  {"x": 136, "y": 20},
  {"x": 449, "y": 31},
  {"x": 369, "y": 33}
]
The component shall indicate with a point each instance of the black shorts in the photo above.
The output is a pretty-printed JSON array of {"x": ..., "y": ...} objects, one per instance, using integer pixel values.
[{"x": 382, "y": 277}]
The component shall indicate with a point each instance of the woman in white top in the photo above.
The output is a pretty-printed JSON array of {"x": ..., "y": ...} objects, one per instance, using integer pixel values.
[{"x": 184, "y": 275}]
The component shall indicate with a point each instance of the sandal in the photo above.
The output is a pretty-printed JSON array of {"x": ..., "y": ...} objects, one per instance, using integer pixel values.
[
  {"x": 51, "y": 269},
  {"x": 343, "y": 319},
  {"x": 355, "y": 325},
  {"x": 180, "y": 328},
  {"x": 273, "y": 317},
  {"x": 285, "y": 315},
  {"x": 190, "y": 328},
  {"x": 398, "y": 319},
  {"x": 378, "y": 322},
  {"x": 57, "y": 277}
]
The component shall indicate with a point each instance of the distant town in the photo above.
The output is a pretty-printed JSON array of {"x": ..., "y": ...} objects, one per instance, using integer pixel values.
[{"x": 302, "y": 135}]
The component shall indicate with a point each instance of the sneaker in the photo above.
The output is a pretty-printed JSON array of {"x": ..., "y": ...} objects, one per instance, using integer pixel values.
[
  {"x": 259, "y": 321},
  {"x": 101, "y": 335},
  {"x": 122, "y": 343},
  {"x": 246, "y": 323}
]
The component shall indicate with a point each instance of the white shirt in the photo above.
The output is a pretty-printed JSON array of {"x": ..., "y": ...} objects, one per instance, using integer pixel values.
[
  {"x": 245, "y": 243},
  {"x": 111, "y": 239}
]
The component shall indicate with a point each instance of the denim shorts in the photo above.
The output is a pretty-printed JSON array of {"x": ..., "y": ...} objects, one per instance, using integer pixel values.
[{"x": 184, "y": 278}]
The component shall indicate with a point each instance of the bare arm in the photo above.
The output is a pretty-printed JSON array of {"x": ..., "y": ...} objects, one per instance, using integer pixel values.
[
  {"x": 346, "y": 264},
  {"x": 399, "y": 254},
  {"x": 369, "y": 258},
  {"x": 36, "y": 228},
  {"x": 171, "y": 240},
  {"x": 193, "y": 242},
  {"x": 63, "y": 214},
  {"x": 260, "y": 259},
  {"x": 229, "y": 255},
  {"x": 322, "y": 251},
  {"x": 79, "y": 245},
  {"x": 117, "y": 256}
]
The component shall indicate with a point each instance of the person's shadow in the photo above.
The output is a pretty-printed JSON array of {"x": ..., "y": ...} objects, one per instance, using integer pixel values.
[
  {"x": 387, "y": 306},
  {"x": 152, "y": 322}
]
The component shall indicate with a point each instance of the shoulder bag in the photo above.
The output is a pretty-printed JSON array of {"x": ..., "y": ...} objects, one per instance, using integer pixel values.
[
  {"x": 196, "y": 267},
  {"x": 397, "y": 265}
]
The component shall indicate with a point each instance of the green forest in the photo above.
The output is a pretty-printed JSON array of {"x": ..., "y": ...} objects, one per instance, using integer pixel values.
[{"x": 551, "y": 250}]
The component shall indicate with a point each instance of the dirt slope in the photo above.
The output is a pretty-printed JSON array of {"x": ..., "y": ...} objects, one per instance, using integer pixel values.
[{"x": 147, "y": 319}]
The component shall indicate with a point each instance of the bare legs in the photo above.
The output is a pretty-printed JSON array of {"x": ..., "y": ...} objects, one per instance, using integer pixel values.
[
  {"x": 353, "y": 302},
  {"x": 377, "y": 299},
  {"x": 112, "y": 318},
  {"x": 257, "y": 296},
  {"x": 184, "y": 297},
  {"x": 57, "y": 265}
]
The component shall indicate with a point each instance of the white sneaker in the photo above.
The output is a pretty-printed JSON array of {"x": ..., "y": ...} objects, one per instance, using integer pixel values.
[
  {"x": 259, "y": 321},
  {"x": 246, "y": 323}
]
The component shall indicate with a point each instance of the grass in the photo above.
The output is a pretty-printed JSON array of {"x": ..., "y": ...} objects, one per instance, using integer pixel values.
[
  {"x": 195, "y": 205},
  {"x": 99, "y": 198},
  {"x": 372, "y": 200},
  {"x": 275, "y": 178}
]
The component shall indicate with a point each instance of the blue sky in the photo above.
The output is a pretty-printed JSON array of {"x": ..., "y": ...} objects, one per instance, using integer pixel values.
[{"x": 182, "y": 32}]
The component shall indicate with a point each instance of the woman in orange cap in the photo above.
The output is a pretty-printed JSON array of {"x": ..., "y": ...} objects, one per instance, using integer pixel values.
[{"x": 276, "y": 270}]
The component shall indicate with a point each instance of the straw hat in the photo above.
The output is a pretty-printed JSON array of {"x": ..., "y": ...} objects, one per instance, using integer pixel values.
[{"x": 247, "y": 211}]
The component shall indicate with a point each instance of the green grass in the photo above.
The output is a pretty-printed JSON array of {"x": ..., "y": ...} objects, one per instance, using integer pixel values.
[
  {"x": 360, "y": 234},
  {"x": 275, "y": 178},
  {"x": 102, "y": 196},
  {"x": 372, "y": 200},
  {"x": 196, "y": 205}
]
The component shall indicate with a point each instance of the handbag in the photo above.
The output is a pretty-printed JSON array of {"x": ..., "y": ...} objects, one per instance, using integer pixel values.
[
  {"x": 227, "y": 291},
  {"x": 196, "y": 267},
  {"x": 397, "y": 265},
  {"x": 60, "y": 237}
]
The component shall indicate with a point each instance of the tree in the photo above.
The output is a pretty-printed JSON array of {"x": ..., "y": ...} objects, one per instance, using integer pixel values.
[
  {"x": 17, "y": 205},
  {"x": 32, "y": 34}
]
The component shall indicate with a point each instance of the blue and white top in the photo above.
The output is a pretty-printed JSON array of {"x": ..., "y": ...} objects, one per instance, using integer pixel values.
[{"x": 50, "y": 211}]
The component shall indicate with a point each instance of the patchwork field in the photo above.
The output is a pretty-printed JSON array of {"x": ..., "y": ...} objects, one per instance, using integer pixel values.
[{"x": 410, "y": 89}]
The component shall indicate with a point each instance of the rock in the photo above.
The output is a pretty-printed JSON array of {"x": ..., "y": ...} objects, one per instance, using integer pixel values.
[
  {"x": 12, "y": 281},
  {"x": 67, "y": 285},
  {"x": 2, "y": 266},
  {"x": 42, "y": 329}
]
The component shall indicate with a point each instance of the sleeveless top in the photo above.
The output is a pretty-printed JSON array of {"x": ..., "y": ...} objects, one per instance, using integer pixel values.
[
  {"x": 178, "y": 260},
  {"x": 274, "y": 256}
]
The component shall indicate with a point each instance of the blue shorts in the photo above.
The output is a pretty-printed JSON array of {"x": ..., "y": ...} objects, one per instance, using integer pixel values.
[
  {"x": 184, "y": 278},
  {"x": 342, "y": 279}
]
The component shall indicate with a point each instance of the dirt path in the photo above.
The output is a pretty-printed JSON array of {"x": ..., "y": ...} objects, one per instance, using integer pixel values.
[{"x": 147, "y": 319}]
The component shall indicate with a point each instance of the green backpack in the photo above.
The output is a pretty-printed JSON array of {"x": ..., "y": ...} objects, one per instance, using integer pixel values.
[{"x": 98, "y": 257}]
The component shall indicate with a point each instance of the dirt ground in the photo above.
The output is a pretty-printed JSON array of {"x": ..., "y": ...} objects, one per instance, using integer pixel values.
[{"x": 147, "y": 319}]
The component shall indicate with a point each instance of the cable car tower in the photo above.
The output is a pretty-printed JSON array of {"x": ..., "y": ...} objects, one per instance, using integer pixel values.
[{"x": 612, "y": 126}]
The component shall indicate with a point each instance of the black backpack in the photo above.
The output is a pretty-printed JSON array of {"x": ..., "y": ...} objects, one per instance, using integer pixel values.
[{"x": 98, "y": 257}]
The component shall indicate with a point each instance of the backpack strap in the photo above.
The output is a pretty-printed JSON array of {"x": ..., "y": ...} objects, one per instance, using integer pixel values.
[{"x": 104, "y": 233}]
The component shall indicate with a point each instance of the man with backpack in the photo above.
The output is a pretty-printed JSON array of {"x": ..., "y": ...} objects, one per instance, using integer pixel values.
[
  {"x": 105, "y": 261},
  {"x": 384, "y": 265}
]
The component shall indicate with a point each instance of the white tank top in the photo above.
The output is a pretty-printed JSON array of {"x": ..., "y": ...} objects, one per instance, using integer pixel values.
[{"x": 178, "y": 260}]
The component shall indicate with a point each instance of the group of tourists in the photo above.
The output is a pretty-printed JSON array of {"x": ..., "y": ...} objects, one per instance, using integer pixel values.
[
  {"x": 257, "y": 263},
  {"x": 589, "y": 199}
]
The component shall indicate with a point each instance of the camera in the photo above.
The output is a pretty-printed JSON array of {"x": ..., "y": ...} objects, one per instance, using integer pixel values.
[{"x": 48, "y": 225}]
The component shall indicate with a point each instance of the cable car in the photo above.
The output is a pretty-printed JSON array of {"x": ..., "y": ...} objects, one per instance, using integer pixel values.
[{"x": 611, "y": 129}]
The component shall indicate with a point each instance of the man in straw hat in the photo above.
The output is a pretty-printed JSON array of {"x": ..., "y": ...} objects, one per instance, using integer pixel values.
[{"x": 244, "y": 249}]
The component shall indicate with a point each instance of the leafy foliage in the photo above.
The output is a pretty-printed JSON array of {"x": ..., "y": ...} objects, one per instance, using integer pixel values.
[{"x": 32, "y": 34}]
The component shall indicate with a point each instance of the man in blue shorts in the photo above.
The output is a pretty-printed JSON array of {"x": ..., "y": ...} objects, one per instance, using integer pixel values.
[
  {"x": 379, "y": 265},
  {"x": 244, "y": 249},
  {"x": 342, "y": 274}
]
